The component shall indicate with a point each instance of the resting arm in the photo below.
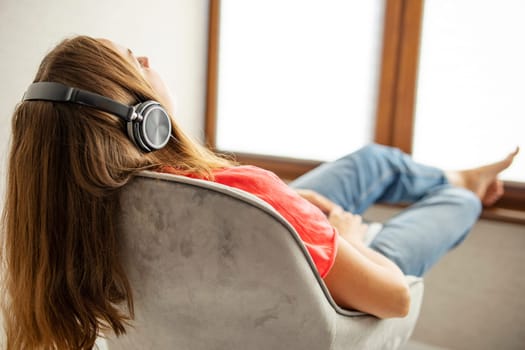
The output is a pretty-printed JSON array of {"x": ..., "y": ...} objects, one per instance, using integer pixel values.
[{"x": 361, "y": 278}]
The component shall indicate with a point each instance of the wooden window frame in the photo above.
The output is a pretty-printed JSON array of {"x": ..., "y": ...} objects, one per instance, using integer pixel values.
[{"x": 395, "y": 106}]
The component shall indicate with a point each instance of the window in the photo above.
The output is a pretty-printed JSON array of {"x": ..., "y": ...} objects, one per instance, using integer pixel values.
[
  {"x": 470, "y": 87},
  {"x": 289, "y": 71},
  {"x": 388, "y": 68}
]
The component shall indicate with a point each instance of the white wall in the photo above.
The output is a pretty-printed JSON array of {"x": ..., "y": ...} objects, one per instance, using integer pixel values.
[{"x": 172, "y": 33}]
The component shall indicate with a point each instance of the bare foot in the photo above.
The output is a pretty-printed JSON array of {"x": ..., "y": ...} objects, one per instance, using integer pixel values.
[{"x": 483, "y": 181}]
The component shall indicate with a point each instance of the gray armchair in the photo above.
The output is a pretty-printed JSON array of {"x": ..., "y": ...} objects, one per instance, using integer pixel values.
[{"x": 216, "y": 268}]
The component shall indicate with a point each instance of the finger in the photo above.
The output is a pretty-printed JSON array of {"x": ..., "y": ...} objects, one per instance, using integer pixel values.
[
  {"x": 336, "y": 210},
  {"x": 357, "y": 218}
]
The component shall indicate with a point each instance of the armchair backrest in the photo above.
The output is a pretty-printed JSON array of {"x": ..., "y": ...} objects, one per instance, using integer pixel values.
[{"x": 213, "y": 267}]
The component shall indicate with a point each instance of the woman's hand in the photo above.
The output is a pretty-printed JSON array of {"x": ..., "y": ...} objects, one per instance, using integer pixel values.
[
  {"x": 350, "y": 226},
  {"x": 318, "y": 200}
]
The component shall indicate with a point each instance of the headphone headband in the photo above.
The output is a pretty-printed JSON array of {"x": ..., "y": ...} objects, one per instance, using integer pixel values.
[
  {"x": 51, "y": 91},
  {"x": 148, "y": 124}
]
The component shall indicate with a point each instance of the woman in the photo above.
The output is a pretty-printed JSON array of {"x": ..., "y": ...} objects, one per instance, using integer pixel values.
[{"x": 63, "y": 280}]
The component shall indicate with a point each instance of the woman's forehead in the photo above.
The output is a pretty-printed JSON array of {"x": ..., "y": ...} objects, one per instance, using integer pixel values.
[{"x": 121, "y": 49}]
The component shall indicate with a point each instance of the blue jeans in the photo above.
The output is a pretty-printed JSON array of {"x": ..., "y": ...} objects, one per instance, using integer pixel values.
[{"x": 439, "y": 217}]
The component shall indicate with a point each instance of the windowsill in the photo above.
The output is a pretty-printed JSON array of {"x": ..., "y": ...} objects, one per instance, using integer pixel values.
[{"x": 504, "y": 215}]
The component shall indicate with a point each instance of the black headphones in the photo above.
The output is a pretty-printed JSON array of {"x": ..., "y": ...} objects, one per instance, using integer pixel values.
[{"x": 148, "y": 124}]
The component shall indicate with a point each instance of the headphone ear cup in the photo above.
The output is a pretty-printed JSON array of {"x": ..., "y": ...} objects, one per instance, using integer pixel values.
[
  {"x": 151, "y": 130},
  {"x": 134, "y": 135}
]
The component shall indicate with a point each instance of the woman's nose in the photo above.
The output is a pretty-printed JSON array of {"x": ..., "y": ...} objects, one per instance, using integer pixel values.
[{"x": 144, "y": 61}]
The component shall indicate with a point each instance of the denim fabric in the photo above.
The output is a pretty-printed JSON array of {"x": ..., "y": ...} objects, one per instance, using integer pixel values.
[{"x": 439, "y": 217}]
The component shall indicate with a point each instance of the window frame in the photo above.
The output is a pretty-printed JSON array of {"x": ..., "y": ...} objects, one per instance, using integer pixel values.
[{"x": 395, "y": 105}]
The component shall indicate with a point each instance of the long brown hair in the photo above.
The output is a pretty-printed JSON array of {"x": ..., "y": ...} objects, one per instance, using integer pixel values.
[{"x": 63, "y": 280}]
